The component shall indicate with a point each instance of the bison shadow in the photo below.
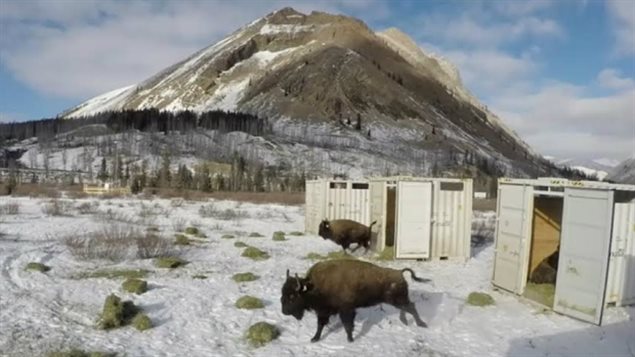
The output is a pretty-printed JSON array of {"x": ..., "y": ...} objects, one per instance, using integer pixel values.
[{"x": 427, "y": 305}]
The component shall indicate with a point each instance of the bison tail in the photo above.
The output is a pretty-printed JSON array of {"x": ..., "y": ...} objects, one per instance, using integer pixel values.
[
  {"x": 371, "y": 225},
  {"x": 414, "y": 277}
]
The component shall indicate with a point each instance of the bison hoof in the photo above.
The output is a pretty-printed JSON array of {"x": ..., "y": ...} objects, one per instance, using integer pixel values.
[
  {"x": 403, "y": 319},
  {"x": 350, "y": 339},
  {"x": 422, "y": 324},
  {"x": 315, "y": 339}
]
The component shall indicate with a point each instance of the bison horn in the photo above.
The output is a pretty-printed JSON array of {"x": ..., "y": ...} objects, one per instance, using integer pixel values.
[
  {"x": 287, "y": 273},
  {"x": 299, "y": 284}
]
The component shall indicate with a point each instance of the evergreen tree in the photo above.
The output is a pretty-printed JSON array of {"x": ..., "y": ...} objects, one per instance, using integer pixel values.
[
  {"x": 358, "y": 125},
  {"x": 102, "y": 175},
  {"x": 164, "y": 177}
]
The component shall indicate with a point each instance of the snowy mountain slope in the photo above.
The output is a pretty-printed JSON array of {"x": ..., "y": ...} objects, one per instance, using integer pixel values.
[
  {"x": 322, "y": 68},
  {"x": 624, "y": 172}
]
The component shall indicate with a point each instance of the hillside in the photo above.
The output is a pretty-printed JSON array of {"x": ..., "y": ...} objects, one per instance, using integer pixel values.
[
  {"x": 335, "y": 91},
  {"x": 624, "y": 172}
]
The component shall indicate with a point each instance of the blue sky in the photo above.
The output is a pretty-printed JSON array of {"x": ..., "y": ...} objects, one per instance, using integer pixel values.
[{"x": 560, "y": 73}]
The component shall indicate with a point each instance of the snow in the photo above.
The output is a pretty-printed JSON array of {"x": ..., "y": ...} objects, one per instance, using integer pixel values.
[
  {"x": 104, "y": 102},
  {"x": 57, "y": 310},
  {"x": 600, "y": 174},
  {"x": 269, "y": 29},
  {"x": 226, "y": 97}
]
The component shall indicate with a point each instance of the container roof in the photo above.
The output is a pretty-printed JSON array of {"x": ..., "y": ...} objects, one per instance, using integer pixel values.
[{"x": 562, "y": 182}]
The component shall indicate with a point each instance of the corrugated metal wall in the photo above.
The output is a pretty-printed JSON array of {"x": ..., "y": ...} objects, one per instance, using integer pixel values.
[
  {"x": 346, "y": 202},
  {"x": 451, "y": 220},
  {"x": 451, "y": 215},
  {"x": 314, "y": 205},
  {"x": 378, "y": 203},
  {"x": 335, "y": 200},
  {"x": 621, "y": 278}
]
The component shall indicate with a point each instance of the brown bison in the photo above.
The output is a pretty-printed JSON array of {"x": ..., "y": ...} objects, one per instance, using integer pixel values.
[
  {"x": 341, "y": 286},
  {"x": 345, "y": 232}
]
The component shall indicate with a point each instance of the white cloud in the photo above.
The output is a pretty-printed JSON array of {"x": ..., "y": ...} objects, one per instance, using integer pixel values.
[
  {"x": 611, "y": 78},
  {"x": 78, "y": 49},
  {"x": 516, "y": 8},
  {"x": 471, "y": 29},
  {"x": 485, "y": 70},
  {"x": 562, "y": 120},
  {"x": 623, "y": 16}
]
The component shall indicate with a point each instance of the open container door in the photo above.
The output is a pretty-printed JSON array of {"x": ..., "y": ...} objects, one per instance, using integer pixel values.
[
  {"x": 584, "y": 254},
  {"x": 512, "y": 229},
  {"x": 414, "y": 220},
  {"x": 377, "y": 209}
]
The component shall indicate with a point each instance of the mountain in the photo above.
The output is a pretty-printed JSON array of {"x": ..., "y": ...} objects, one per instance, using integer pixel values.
[
  {"x": 334, "y": 90},
  {"x": 599, "y": 168},
  {"x": 624, "y": 172}
]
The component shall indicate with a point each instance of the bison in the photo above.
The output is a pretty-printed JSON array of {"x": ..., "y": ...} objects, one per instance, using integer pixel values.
[
  {"x": 345, "y": 232},
  {"x": 341, "y": 286}
]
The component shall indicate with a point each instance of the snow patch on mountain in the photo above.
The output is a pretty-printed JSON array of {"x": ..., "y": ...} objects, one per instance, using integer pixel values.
[{"x": 108, "y": 101}]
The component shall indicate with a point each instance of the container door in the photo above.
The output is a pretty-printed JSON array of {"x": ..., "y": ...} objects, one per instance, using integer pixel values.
[
  {"x": 414, "y": 218},
  {"x": 584, "y": 254},
  {"x": 514, "y": 206},
  {"x": 378, "y": 205}
]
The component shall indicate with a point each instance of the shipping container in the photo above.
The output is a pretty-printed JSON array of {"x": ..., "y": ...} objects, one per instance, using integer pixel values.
[
  {"x": 422, "y": 218},
  {"x": 335, "y": 199},
  {"x": 568, "y": 245}
]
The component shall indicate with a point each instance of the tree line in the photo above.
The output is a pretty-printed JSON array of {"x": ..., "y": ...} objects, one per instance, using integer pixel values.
[{"x": 145, "y": 120}]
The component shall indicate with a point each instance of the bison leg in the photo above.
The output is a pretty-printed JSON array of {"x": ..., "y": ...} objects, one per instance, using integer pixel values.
[
  {"x": 323, "y": 319},
  {"x": 348, "y": 320},
  {"x": 412, "y": 310}
]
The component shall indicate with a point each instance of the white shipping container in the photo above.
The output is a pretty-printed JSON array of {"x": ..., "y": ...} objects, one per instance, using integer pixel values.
[
  {"x": 335, "y": 199},
  {"x": 587, "y": 226},
  {"x": 422, "y": 218}
]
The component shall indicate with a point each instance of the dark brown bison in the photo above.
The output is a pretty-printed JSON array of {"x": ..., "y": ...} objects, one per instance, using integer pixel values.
[
  {"x": 345, "y": 232},
  {"x": 341, "y": 286}
]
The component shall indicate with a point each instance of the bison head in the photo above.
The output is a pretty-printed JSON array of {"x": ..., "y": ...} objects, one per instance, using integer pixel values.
[
  {"x": 324, "y": 230},
  {"x": 292, "y": 299}
]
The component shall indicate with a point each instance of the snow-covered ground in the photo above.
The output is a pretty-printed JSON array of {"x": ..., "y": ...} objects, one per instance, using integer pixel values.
[{"x": 40, "y": 312}]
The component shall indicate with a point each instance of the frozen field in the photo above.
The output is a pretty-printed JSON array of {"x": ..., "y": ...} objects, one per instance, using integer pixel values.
[{"x": 41, "y": 312}]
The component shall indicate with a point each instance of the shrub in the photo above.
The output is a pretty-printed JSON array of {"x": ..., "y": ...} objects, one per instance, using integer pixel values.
[
  {"x": 255, "y": 253},
  {"x": 208, "y": 211},
  {"x": 240, "y": 245},
  {"x": 245, "y": 277},
  {"x": 12, "y": 208},
  {"x": 37, "y": 267},
  {"x": 249, "y": 303},
  {"x": 296, "y": 233},
  {"x": 255, "y": 235},
  {"x": 228, "y": 236},
  {"x": 177, "y": 202},
  {"x": 116, "y": 313},
  {"x": 136, "y": 286},
  {"x": 57, "y": 207},
  {"x": 152, "y": 246},
  {"x": 199, "y": 276},
  {"x": 113, "y": 243},
  {"x": 217, "y": 227},
  {"x": 178, "y": 224},
  {"x": 182, "y": 240},
  {"x": 191, "y": 230},
  {"x": 278, "y": 236},
  {"x": 480, "y": 299},
  {"x": 261, "y": 333},
  {"x": 88, "y": 207},
  {"x": 169, "y": 262},
  {"x": 142, "y": 322}
]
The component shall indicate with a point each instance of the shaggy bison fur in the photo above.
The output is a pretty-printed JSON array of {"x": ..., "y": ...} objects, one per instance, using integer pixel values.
[
  {"x": 341, "y": 286},
  {"x": 345, "y": 232}
]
